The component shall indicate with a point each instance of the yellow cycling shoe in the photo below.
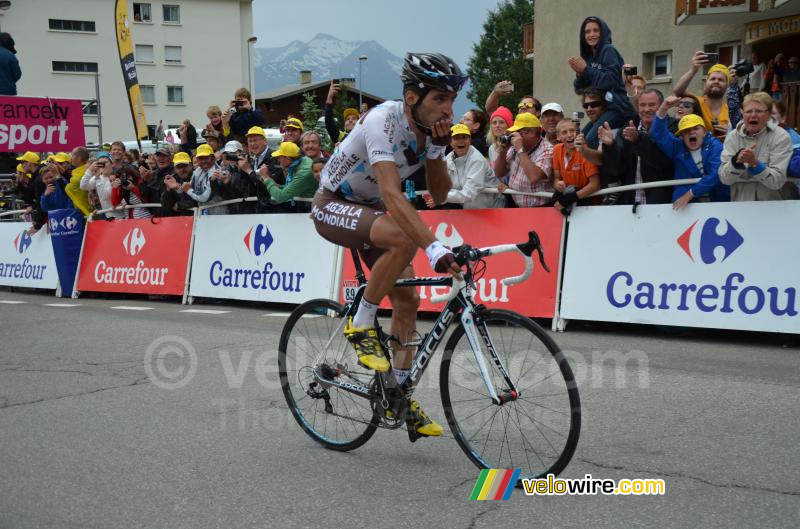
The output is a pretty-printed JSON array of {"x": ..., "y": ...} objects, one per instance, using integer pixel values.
[
  {"x": 368, "y": 347},
  {"x": 423, "y": 425}
]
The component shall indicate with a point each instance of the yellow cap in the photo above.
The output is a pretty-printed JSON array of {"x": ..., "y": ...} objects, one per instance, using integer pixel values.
[
  {"x": 29, "y": 156},
  {"x": 721, "y": 68},
  {"x": 525, "y": 121},
  {"x": 181, "y": 157},
  {"x": 204, "y": 150},
  {"x": 460, "y": 128},
  {"x": 294, "y": 123},
  {"x": 688, "y": 122},
  {"x": 287, "y": 148},
  {"x": 350, "y": 112},
  {"x": 256, "y": 131},
  {"x": 60, "y": 157}
]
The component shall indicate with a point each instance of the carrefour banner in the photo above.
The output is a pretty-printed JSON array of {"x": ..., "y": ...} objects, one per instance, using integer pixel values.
[
  {"x": 66, "y": 234},
  {"x": 128, "y": 63},
  {"x": 277, "y": 258},
  {"x": 724, "y": 265},
  {"x": 26, "y": 260}
]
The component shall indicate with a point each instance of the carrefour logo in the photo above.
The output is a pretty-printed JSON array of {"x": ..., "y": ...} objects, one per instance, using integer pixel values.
[
  {"x": 258, "y": 240},
  {"x": 22, "y": 241},
  {"x": 134, "y": 241},
  {"x": 67, "y": 224},
  {"x": 706, "y": 242}
]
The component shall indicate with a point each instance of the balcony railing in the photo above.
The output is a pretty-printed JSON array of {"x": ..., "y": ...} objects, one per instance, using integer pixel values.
[{"x": 527, "y": 39}]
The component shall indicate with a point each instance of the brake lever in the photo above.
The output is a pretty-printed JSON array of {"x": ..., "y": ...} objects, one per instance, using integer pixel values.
[{"x": 541, "y": 258}]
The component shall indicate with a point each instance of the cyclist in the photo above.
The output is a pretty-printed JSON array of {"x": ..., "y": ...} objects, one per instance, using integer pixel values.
[{"x": 363, "y": 181}]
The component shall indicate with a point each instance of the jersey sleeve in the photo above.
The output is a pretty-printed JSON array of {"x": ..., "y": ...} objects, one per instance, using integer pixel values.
[{"x": 380, "y": 134}]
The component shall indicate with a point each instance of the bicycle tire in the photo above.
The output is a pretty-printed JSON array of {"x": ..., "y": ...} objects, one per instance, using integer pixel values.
[
  {"x": 548, "y": 415},
  {"x": 352, "y": 421}
]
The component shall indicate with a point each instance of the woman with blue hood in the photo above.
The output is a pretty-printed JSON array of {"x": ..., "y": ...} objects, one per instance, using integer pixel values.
[{"x": 600, "y": 66}]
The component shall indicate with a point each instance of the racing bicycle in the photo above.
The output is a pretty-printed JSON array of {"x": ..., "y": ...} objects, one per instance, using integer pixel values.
[{"x": 508, "y": 392}]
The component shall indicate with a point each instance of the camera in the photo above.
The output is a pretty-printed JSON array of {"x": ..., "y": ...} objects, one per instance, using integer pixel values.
[
  {"x": 505, "y": 139},
  {"x": 231, "y": 156},
  {"x": 743, "y": 67},
  {"x": 124, "y": 182},
  {"x": 238, "y": 104},
  {"x": 633, "y": 70},
  {"x": 336, "y": 81},
  {"x": 577, "y": 117},
  {"x": 713, "y": 58}
]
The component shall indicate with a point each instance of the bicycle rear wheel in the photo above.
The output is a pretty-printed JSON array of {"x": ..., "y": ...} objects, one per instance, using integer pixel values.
[
  {"x": 538, "y": 430},
  {"x": 312, "y": 343}
]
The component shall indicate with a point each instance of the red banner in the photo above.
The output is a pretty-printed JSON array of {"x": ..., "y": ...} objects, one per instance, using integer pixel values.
[
  {"x": 489, "y": 227},
  {"x": 137, "y": 256},
  {"x": 40, "y": 124}
]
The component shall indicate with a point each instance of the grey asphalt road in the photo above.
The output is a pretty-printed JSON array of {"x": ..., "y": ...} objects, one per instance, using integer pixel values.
[{"x": 88, "y": 440}]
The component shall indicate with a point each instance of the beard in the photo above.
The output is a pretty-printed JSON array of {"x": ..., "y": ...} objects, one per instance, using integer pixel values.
[{"x": 715, "y": 92}]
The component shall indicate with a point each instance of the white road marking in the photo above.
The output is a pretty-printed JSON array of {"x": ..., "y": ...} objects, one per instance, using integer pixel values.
[
  {"x": 62, "y": 304},
  {"x": 126, "y": 307},
  {"x": 11, "y": 302},
  {"x": 286, "y": 315},
  {"x": 206, "y": 311}
]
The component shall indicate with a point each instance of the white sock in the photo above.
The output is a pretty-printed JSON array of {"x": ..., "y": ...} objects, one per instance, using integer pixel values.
[
  {"x": 365, "y": 316},
  {"x": 401, "y": 374}
]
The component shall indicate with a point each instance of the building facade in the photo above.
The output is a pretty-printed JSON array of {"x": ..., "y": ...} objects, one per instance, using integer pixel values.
[
  {"x": 189, "y": 54},
  {"x": 659, "y": 37}
]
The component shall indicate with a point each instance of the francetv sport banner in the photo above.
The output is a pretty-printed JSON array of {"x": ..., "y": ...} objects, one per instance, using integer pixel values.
[
  {"x": 489, "y": 227},
  {"x": 26, "y": 260},
  {"x": 40, "y": 124},
  {"x": 144, "y": 256},
  {"x": 277, "y": 258},
  {"x": 719, "y": 265}
]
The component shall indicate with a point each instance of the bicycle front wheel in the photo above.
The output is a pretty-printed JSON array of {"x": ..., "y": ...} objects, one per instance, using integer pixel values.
[
  {"x": 313, "y": 357},
  {"x": 537, "y": 429}
]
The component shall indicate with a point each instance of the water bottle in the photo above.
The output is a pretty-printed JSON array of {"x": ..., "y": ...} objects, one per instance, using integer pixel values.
[{"x": 411, "y": 191}]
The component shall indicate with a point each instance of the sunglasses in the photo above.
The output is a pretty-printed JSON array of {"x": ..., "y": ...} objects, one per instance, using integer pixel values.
[
  {"x": 453, "y": 82},
  {"x": 526, "y": 105},
  {"x": 686, "y": 104},
  {"x": 592, "y": 104}
]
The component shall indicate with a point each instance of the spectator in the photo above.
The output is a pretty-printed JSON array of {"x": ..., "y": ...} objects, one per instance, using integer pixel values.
[
  {"x": 713, "y": 104},
  {"x": 633, "y": 157},
  {"x": 756, "y": 154},
  {"x": 311, "y": 143},
  {"x": 293, "y": 130},
  {"x": 794, "y": 167},
  {"x": 200, "y": 187},
  {"x": 125, "y": 191},
  {"x": 574, "y": 177},
  {"x": 54, "y": 196},
  {"x": 695, "y": 154},
  {"x": 600, "y": 66},
  {"x": 213, "y": 140},
  {"x": 79, "y": 197},
  {"x": 10, "y": 71},
  {"x": 469, "y": 173},
  {"x": 756, "y": 77},
  {"x": 499, "y": 122},
  {"x": 188, "y": 136},
  {"x": 118, "y": 159},
  {"x": 690, "y": 104},
  {"x": 779, "y": 115},
  {"x": 350, "y": 116},
  {"x": 773, "y": 78},
  {"x": 27, "y": 173},
  {"x": 527, "y": 164},
  {"x": 241, "y": 115},
  {"x": 595, "y": 105},
  {"x": 364, "y": 108},
  {"x": 231, "y": 183},
  {"x": 526, "y": 103},
  {"x": 97, "y": 178},
  {"x": 298, "y": 176},
  {"x": 792, "y": 73},
  {"x": 175, "y": 201},
  {"x": 259, "y": 164},
  {"x": 552, "y": 114},
  {"x": 316, "y": 167},
  {"x": 475, "y": 120},
  {"x": 152, "y": 187},
  {"x": 215, "y": 124}
]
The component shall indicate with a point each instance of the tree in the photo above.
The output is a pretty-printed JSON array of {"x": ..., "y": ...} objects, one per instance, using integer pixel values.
[
  {"x": 311, "y": 113},
  {"x": 498, "y": 54}
]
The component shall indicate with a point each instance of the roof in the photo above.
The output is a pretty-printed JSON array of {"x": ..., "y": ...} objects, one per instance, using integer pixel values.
[{"x": 294, "y": 89}]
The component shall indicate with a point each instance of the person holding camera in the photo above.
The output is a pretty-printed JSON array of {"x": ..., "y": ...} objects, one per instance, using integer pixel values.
[
  {"x": 125, "y": 192},
  {"x": 54, "y": 195},
  {"x": 241, "y": 115},
  {"x": 299, "y": 178},
  {"x": 600, "y": 66},
  {"x": 259, "y": 163},
  {"x": 525, "y": 162},
  {"x": 175, "y": 201},
  {"x": 97, "y": 178},
  {"x": 350, "y": 115},
  {"x": 713, "y": 104},
  {"x": 499, "y": 122}
]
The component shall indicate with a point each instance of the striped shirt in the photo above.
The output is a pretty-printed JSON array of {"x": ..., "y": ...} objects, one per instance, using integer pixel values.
[{"x": 542, "y": 157}]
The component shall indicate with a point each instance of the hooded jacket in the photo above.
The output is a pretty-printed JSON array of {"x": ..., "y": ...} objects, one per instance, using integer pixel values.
[
  {"x": 604, "y": 70},
  {"x": 10, "y": 71},
  {"x": 685, "y": 167}
]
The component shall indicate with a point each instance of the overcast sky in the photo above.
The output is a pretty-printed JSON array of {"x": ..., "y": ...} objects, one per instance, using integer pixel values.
[{"x": 445, "y": 26}]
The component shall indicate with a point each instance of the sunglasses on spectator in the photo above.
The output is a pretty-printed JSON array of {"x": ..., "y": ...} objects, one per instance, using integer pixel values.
[
  {"x": 686, "y": 104},
  {"x": 592, "y": 104},
  {"x": 526, "y": 105}
]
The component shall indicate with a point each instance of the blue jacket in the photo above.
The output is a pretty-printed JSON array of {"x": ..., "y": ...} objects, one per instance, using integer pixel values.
[
  {"x": 604, "y": 70},
  {"x": 10, "y": 73},
  {"x": 685, "y": 167},
  {"x": 57, "y": 199},
  {"x": 794, "y": 166},
  {"x": 242, "y": 120}
]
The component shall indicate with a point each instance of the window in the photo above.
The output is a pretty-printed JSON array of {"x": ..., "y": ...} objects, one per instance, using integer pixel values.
[
  {"x": 144, "y": 53},
  {"x": 662, "y": 65},
  {"x": 141, "y": 12},
  {"x": 172, "y": 54},
  {"x": 148, "y": 92},
  {"x": 90, "y": 109},
  {"x": 174, "y": 94},
  {"x": 72, "y": 25},
  {"x": 74, "y": 67},
  {"x": 728, "y": 53},
  {"x": 172, "y": 14}
]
